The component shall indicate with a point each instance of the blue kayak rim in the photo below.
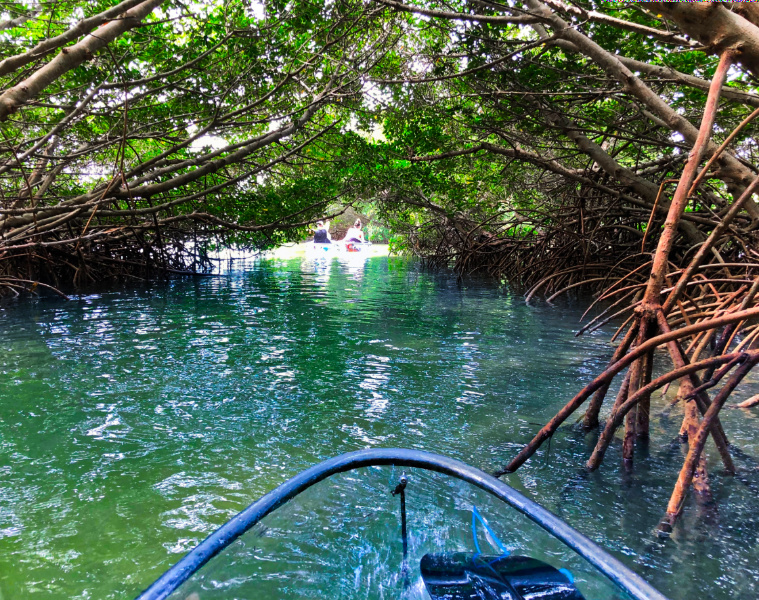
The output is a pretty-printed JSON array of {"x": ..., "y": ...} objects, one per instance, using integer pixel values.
[{"x": 625, "y": 578}]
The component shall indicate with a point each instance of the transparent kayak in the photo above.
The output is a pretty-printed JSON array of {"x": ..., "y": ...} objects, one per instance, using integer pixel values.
[{"x": 314, "y": 544}]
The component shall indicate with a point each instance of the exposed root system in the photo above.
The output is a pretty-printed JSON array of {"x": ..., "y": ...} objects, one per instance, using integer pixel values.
[{"x": 697, "y": 301}]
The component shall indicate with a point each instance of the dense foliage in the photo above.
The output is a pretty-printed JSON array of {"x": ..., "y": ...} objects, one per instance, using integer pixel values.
[{"x": 461, "y": 122}]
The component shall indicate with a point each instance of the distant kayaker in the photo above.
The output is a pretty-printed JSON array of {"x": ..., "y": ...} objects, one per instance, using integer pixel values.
[
  {"x": 354, "y": 234},
  {"x": 321, "y": 235}
]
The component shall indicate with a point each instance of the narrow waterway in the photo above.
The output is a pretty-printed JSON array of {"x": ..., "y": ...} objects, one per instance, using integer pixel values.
[{"x": 133, "y": 423}]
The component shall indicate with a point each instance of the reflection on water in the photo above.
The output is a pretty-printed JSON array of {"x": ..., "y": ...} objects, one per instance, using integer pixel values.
[{"x": 134, "y": 423}]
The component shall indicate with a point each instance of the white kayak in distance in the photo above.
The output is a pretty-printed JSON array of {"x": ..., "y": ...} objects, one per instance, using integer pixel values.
[{"x": 337, "y": 248}]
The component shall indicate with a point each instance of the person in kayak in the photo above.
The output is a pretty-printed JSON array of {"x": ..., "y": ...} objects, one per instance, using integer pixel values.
[
  {"x": 354, "y": 234},
  {"x": 321, "y": 235}
]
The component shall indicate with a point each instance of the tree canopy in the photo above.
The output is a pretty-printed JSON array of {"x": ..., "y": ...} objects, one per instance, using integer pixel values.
[{"x": 130, "y": 129}]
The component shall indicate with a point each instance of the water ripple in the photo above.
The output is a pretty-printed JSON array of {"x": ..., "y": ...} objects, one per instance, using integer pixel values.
[{"x": 132, "y": 423}]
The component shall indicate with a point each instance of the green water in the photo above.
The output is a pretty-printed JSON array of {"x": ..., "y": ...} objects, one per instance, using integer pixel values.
[{"x": 133, "y": 423}]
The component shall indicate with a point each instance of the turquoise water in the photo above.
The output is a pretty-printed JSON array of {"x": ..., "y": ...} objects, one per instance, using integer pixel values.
[{"x": 133, "y": 423}]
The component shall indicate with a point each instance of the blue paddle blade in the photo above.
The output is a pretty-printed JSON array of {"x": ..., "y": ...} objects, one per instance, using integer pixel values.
[{"x": 463, "y": 576}]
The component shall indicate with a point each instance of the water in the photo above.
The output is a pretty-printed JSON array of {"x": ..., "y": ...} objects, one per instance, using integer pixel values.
[{"x": 133, "y": 423}]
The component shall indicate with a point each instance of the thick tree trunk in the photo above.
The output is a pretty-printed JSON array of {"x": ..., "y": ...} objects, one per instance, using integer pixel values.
[
  {"x": 72, "y": 57},
  {"x": 652, "y": 296},
  {"x": 719, "y": 26}
]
